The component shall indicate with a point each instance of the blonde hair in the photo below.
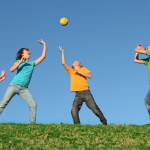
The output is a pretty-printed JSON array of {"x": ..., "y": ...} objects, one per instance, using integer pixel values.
[{"x": 80, "y": 64}]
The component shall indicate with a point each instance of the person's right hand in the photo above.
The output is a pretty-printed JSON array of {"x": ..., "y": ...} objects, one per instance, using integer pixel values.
[
  {"x": 62, "y": 50},
  {"x": 3, "y": 73},
  {"x": 3, "y": 78},
  {"x": 23, "y": 59}
]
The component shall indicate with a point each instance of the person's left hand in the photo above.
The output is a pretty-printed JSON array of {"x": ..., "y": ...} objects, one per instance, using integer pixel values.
[{"x": 41, "y": 42}]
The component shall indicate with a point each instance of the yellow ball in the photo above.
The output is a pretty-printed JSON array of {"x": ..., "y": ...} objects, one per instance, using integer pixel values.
[{"x": 63, "y": 21}]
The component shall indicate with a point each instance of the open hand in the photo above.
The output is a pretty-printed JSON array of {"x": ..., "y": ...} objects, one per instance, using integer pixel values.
[
  {"x": 23, "y": 59},
  {"x": 41, "y": 42},
  {"x": 62, "y": 50}
]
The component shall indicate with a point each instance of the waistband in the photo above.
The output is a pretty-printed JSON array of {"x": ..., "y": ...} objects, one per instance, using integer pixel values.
[
  {"x": 17, "y": 85},
  {"x": 83, "y": 91}
]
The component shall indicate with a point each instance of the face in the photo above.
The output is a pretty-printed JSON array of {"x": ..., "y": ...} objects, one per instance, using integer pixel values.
[
  {"x": 76, "y": 65},
  {"x": 26, "y": 54}
]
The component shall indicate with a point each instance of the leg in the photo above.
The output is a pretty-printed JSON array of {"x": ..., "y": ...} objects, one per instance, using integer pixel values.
[
  {"x": 28, "y": 98},
  {"x": 10, "y": 92},
  {"x": 89, "y": 100},
  {"x": 77, "y": 103},
  {"x": 147, "y": 101}
]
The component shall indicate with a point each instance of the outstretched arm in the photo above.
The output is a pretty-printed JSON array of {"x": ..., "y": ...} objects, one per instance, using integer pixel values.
[
  {"x": 63, "y": 59},
  {"x": 40, "y": 59},
  {"x": 137, "y": 60}
]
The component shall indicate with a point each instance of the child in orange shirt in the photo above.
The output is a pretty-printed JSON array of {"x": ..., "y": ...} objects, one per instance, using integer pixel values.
[
  {"x": 79, "y": 85},
  {"x": 2, "y": 76}
]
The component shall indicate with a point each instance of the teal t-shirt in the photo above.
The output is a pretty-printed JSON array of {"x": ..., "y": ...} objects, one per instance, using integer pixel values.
[{"x": 24, "y": 73}]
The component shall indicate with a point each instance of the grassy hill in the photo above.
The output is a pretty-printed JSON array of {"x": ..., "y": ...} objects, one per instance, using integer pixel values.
[{"x": 65, "y": 136}]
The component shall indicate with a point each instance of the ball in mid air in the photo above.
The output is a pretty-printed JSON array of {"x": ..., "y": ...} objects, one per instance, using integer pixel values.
[{"x": 63, "y": 21}]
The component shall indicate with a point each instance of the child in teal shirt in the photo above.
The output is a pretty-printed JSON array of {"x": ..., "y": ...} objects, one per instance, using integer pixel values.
[{"x": 20, "y": 82}]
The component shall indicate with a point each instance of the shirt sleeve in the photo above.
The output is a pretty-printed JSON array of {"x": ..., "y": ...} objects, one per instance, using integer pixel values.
[
  {"x": 69, "y": 71},
  {"x": 33, "y": 62},
  {"x": 148, "y": 52},
  {"x": 146, "y": 61}
]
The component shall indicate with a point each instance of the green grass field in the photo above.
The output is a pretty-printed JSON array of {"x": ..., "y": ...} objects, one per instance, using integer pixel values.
[{"x": 65, "y": 136}]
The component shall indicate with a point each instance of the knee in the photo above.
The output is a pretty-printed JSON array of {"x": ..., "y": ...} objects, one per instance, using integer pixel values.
[{"x": 73, "y": 111}]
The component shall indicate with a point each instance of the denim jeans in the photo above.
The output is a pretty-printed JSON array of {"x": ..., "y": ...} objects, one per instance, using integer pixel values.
[
  {"x": 25, "y": 94},
  {"x": 85, "y": 96},
  {"x": 147, "y": 101}
]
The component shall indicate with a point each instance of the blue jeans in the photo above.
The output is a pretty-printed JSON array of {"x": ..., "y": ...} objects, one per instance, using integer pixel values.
[{"x": 25, "y": 94}]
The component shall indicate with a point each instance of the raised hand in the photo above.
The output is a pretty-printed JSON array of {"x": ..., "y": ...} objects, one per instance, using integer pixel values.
[
  {"x": 41, "y": 42},
  {"x": 23, "y": 59},
  {"x": 62, "y": 50},
  {"x": 43, "y": 56}
]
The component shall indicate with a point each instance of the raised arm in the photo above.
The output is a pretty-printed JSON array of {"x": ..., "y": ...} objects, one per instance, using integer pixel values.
[
  {"x": 16, "y": 64},
  {"x": 63, "y": 59},
  {"x": 40, "y": 59},
  {"x": 141, "y": 51},
  {"x": 137, "y": 60}
]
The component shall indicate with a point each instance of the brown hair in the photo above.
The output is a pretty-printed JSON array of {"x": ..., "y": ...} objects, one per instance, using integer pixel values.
[
  {"x": 20, "y": 52},
  {"x": 80, "y": 64}
]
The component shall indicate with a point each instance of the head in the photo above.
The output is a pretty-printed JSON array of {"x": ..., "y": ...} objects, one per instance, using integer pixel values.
[
  {"x": 139, "y": 46},
  {"x": 23, "y": 52},
  {"x": 148, "y": 48},
  {"x": 76, "y": 65}
]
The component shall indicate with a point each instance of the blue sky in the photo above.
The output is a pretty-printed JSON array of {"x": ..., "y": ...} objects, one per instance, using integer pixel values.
[{"x": 100, "y": 34}]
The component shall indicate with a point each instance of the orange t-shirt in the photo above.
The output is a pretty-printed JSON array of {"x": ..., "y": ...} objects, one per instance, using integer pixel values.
[{"x": 78, "y": 82}]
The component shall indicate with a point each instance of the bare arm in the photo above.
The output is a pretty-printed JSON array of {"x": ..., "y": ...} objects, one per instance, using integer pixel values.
[
  {"x": 2, "y": 74},
  {"x": 16, "y": 64},
  {"x": 40, "y": 59},
  {"x": 86, "y": 75},
  {"x": 63, "y": 59},
  {"x": 141, "y": 51},
  {"x": 137, "y": 60}
]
